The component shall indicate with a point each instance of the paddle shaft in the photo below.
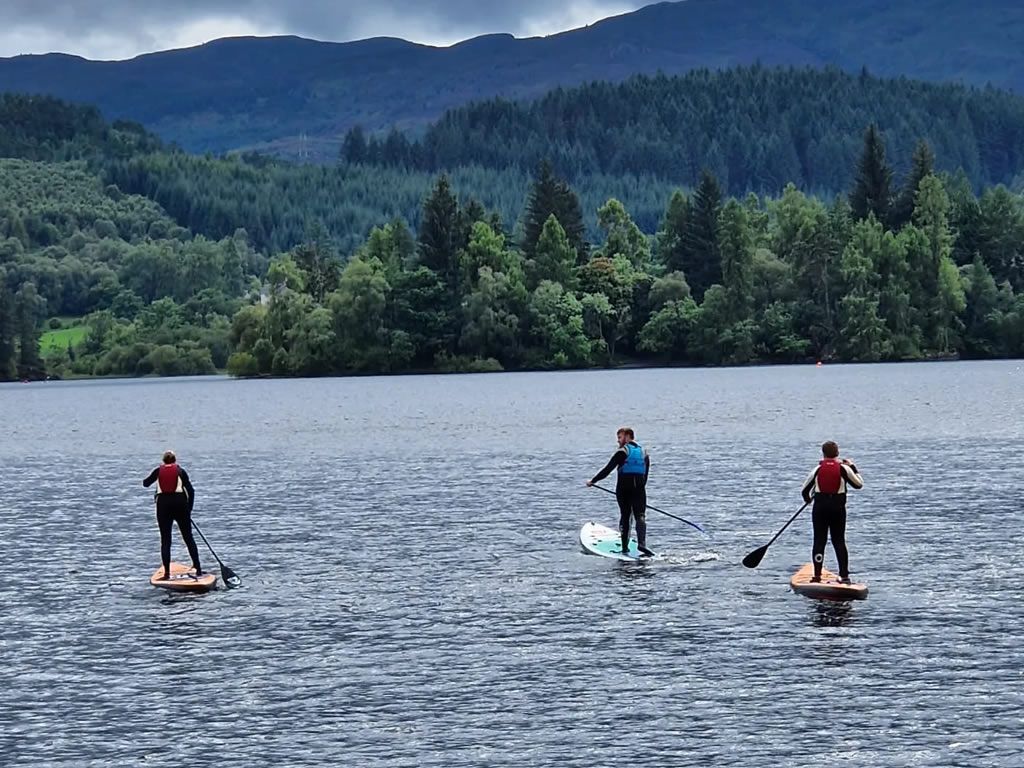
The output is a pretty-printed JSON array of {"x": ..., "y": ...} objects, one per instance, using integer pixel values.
[
  {"x": 667, "y": 514},
  {"x": 794, "y": 517},
  {"x": 753, "y": 559},
  {"x": 207, "y": 543}
]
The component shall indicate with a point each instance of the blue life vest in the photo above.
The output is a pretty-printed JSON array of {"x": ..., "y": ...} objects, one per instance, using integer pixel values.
[{"x": 634, "y": 463}]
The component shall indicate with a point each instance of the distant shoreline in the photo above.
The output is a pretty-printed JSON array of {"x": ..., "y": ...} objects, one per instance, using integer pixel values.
[{"x": 630, "y": 366}]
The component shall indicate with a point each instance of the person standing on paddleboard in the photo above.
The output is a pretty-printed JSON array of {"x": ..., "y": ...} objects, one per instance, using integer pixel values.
[
  {"x": 827, "y": 485},
  {"x": 634, "y": 465},
  {"x": 175, "y": 498}
]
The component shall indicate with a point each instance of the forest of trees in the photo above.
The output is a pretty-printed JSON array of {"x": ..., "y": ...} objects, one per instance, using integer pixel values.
[
  {"x": 155, "y": 297},
  {"x": 756, "y": 129},
  {"x": 879, "y": 275},
  {"x": 177, "y": 264}
]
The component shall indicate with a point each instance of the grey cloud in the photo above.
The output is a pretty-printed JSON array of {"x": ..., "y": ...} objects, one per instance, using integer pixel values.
[{"x": 122, "y": 28}]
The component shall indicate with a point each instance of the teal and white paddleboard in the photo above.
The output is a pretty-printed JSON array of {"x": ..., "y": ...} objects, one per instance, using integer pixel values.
[{"x": 601, "y": 540}]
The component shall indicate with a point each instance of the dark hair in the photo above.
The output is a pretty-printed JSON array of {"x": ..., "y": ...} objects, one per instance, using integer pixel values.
[
  {"x": 169, "y": 457},
  {"x": 627, "y": 431},
  {"x": 829, "y": 449}
]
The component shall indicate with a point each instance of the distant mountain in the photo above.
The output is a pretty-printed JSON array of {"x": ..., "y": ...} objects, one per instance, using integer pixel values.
[{"x": 248, "y": 92}]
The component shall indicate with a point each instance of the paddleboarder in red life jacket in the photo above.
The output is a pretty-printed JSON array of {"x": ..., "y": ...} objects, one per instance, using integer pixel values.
[
  {"x": 827, "y": 485},
  {"x": 634, "y": 465},
  {"x": 174, "y": 500}
]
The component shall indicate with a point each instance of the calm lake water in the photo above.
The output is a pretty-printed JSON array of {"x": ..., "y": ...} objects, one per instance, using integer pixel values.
[{"x": 414, "y": 592}]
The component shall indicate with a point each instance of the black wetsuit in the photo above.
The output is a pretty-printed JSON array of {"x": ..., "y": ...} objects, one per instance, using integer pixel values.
[
  {"x": 828, "y": 519},
  {"x": 631, "y": 493},
  {"x": 175, "y": 508}
]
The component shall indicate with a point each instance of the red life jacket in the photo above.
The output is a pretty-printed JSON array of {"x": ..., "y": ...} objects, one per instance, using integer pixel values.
[
  {"x": 168, "y": 479},
  {"x": 830, "y": 476}
]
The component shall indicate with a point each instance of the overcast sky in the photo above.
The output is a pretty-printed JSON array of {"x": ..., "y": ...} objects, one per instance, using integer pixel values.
[{"x": 120, "y": 29}]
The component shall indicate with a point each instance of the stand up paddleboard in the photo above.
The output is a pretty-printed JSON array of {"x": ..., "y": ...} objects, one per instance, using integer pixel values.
[
  {"x": 183, "y": 579},
  {"x": 601, "y": 540},
  {"x": 829, "y": 588}
]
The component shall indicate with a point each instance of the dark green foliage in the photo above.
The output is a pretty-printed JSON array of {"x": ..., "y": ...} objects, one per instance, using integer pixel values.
[
  {"x": 701, "y": 260},
  {"x": 922, "y": 164},
  {"x": 551, "y": 196},
  {"x": 871, "y": 195},
  {"x": 724, "y": 281},
  {"x": 44, "y": 128},
  {"x": 70, "y": 247},
  {"x": 8, "y": 332},
  {"x": 754, "y": 128}
]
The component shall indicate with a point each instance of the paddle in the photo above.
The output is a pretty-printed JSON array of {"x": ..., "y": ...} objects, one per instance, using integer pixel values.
[
  {"x": 754, "y": 558},
  {"x": 667, "y": 514},
  {"x": 231, "y": 579}
]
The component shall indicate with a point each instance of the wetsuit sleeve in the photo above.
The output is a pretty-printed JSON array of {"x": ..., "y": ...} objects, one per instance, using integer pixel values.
[
  {"x": 615, "y": 461},
  {"x": 152, "y": 478},
  {"x": 186, "y": 485},
  {"x": 809, "y": 485},
  {"x": 851, "y": 476}
]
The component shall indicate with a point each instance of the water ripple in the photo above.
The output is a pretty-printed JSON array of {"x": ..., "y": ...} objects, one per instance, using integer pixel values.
[{"x": 414, "y": 594}]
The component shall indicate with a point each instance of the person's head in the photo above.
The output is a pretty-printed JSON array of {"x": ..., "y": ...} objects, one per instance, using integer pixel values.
[
  {"x": 625, "y": 435},
  {"x": 169, "y": 457},
  {"x": 829, "y": 449}
]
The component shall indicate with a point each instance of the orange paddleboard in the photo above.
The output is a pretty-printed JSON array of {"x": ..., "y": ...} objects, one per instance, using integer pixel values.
[
  {"x": 830, "y": 588},
  {"x": 183, "y": 579}
]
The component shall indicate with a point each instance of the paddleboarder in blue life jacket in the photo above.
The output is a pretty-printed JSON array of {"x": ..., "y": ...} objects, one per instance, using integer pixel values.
[
  {"x": 633, "y": 465},
  {"x": 827, "y": 485},
  {"x": 175, "y": 498}
]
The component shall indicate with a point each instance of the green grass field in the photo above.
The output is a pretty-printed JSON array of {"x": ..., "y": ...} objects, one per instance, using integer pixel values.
[{"x": 61, "y": 338}]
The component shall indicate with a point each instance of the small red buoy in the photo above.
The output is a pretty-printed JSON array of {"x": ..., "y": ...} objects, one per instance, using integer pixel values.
[{"x": 819, "y": 364}]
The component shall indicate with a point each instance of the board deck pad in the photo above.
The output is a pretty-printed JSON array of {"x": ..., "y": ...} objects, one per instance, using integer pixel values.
[
  {"x": 830, "y": 588},
  {"x": 601, "y": 540},
  {"x": 183, "y": 579}
]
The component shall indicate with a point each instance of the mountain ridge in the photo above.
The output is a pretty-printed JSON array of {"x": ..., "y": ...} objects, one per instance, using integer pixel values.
[{"x": 264, "y": 92}]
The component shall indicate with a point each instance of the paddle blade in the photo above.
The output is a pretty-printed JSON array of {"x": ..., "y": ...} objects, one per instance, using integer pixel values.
[
  {"x": 754, "y": 558},
  {"x": 231, "y": 579}
]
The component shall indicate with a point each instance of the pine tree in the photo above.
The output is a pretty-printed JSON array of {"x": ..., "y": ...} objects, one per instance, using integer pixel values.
[
  {"x": 922, "y": 164},
  {"x": 442, "y": 235},
  {"x": 318, "y": 262},
  {"x": 943, "y": 290},
  {"x": 737, "y": 261},
  {"x": 354, "y": 148},
  {"x": 8, "y": 331},
  {"x": 701, "y": 262},
  {"x": 441, "y": 231},
  {"x": 554, "y": 258},
  {"x": 871, "y": 191},
  {"x": 550, "y": 195},
  {"x": 27, "y": 306},
  {"x": 981, "y": 316},
  {"x": 669, "y": 240}
]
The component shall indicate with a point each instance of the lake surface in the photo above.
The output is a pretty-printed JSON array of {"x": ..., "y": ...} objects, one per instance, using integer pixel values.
[{"x": 414, "y": 592}]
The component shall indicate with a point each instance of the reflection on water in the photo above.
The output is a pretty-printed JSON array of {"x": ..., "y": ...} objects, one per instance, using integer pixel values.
[{"x": 832, "y": 613}]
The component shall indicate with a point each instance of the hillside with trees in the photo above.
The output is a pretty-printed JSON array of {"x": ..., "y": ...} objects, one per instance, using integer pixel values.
[
  {"x": 270, "y": 92},
  {"x": 155, "y": 297},
  {"x": 755, "y": 129},
  {"x": 880, "y": 275},
  {"x": 903, "y": 265}
]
